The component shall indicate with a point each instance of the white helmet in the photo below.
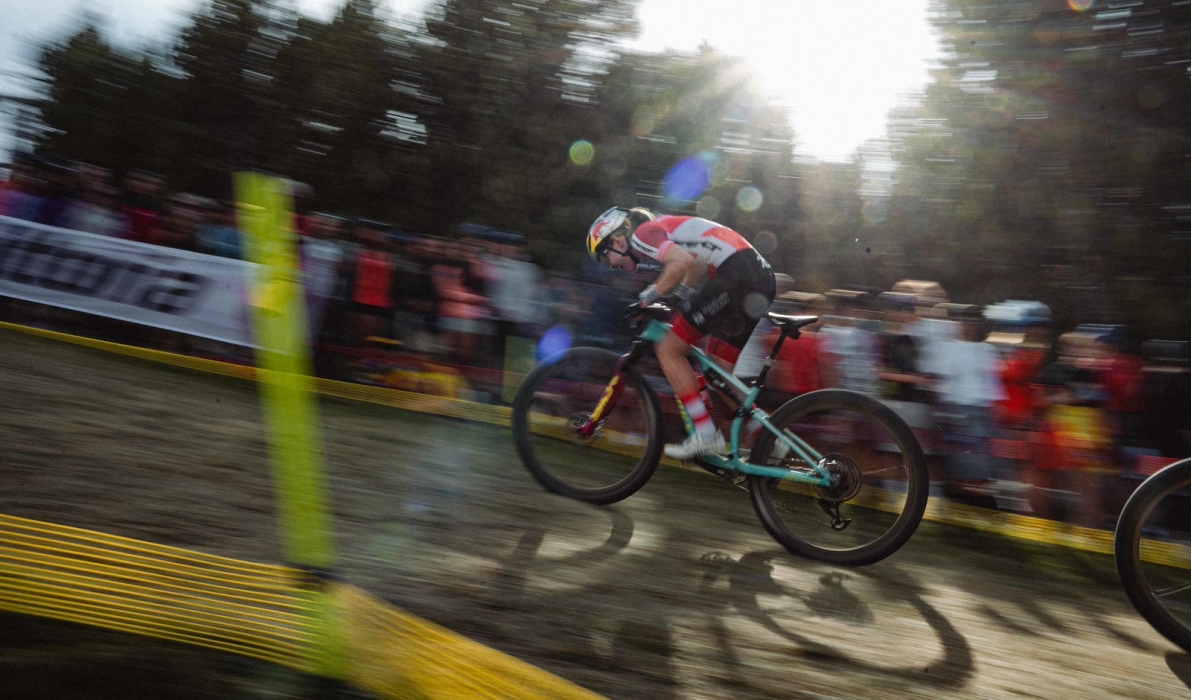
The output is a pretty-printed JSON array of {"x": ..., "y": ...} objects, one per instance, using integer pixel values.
[{"x": 601, "y": 231}]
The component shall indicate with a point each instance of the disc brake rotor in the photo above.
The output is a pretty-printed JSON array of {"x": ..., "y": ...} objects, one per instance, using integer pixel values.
[{"x": 579, "y": 420}]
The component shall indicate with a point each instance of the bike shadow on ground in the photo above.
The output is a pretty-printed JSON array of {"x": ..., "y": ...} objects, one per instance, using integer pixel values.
[
  {"x": 749, "y": 579},
  {"x": 1006, "y": 569},
  {"x": 1179, "y": 663},
  {"x": 621, "y": 651},
  {"x": 510, "y": 583}
]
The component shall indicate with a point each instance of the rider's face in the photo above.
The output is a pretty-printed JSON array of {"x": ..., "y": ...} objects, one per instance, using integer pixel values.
[{"x": 617, "y": 255}]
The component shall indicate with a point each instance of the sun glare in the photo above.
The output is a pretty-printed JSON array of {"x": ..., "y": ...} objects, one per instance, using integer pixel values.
[{"x": 840, "y": 71}]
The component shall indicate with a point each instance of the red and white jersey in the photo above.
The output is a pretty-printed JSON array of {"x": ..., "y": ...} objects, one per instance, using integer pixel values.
[{"x": 708, "y": 241}]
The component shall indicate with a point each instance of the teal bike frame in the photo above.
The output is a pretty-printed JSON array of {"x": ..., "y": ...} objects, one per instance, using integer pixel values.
[{"x": 726, "y": 383}]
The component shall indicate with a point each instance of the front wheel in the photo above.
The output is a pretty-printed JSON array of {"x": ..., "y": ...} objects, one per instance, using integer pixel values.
[
  {"x": 558, "y": 397},
  {"x": 1157, "y": 588},
  {"x": 880, "y": 481}
]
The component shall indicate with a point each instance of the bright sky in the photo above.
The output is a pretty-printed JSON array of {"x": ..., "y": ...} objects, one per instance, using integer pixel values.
[{"x": 840, "y": 66}]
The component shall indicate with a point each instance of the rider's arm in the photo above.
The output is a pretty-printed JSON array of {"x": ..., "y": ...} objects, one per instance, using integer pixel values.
[
  {"x": 676, "y": 265},
  {"x": 694, "y": 276}
]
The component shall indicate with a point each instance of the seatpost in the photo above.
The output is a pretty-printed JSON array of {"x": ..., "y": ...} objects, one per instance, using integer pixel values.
[{"x": 761, "y": 376}]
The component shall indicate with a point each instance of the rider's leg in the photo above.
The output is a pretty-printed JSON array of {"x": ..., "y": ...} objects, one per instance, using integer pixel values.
[{"x": 672, "y": 357}]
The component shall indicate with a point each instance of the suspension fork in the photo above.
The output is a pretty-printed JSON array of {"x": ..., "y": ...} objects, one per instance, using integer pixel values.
[{"x": 612, "y": 392}]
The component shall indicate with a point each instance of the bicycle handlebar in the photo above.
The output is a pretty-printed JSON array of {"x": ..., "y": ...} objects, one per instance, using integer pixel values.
[{"x": 635, "y": 312}]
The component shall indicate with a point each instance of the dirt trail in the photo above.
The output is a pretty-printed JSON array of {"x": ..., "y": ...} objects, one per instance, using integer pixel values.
[{"x": 675, "y": 593}]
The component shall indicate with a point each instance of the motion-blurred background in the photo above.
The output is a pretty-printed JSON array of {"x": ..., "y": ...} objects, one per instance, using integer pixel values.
[{"x": 1026, "y": 186}]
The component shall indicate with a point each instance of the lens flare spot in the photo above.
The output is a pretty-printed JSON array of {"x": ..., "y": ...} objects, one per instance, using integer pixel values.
[
  {"x": 755, "y": 304},
  {"x": 765, "y": 242},
  {"x": 582, "y": 152},
  {"x": 749, "y": 198},
  {"x": 690, "y": 177},
  {"x": 708, "y": 207},
  {"x": 553, "y": 342},
  {"x": 644, "y": 121},
  {"x": 1080, "y": 5}
]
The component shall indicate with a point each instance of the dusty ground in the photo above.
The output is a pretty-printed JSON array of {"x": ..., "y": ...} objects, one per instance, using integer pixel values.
[{"x": 675, "y": 593}]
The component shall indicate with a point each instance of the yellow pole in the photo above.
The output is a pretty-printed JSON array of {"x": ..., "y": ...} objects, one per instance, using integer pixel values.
[{"x": 287, "y": 390}]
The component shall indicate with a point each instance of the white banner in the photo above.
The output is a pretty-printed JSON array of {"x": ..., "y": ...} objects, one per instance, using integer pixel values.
[{"x": 176, "y": 290}]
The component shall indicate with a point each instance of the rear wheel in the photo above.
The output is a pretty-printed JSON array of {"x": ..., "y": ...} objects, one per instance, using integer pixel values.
[
  {"x": 880, "y": 481},
  {"x": 557, "y": 398},
  {"x": 1154, "y": 570}
]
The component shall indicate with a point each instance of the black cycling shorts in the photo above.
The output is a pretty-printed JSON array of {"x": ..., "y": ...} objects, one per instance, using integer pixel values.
[{"x": 729, "y": 306}]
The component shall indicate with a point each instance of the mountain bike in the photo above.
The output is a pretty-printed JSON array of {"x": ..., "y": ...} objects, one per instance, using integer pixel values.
[
  {"x": 1157, "y": 584},
  {"x": 833, "y": 475}
]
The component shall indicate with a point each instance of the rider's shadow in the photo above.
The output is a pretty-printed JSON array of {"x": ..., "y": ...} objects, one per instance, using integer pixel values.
[
  {"x": 751, "y": 578},
  {"x": 638, "y": 646},
  {"x": 509, "y": 588}
]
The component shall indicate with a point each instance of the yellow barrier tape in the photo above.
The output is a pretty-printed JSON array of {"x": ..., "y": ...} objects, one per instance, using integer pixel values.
[
  {"x": 398, "y": 655},
  {"x": 114, "y": 583},
  {"x": 211, "y": 565},
  {"x": 166, "y": 582},
  {"x": 99, "y": 617},
  {"x": 126, "y": 585}
]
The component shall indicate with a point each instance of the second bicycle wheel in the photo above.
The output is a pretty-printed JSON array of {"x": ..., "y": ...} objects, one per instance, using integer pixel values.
[
  {"x": 1151, "y": 546},
  {"x": 558, "y": 397},
  {"x": 880, "y": 480}
]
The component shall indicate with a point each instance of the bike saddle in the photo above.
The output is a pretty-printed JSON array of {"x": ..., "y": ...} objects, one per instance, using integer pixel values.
[{"x": 789, "y": 324}]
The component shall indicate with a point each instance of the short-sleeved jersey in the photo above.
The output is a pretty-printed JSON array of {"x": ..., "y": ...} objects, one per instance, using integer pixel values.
[{"x": 708, "y": 241}]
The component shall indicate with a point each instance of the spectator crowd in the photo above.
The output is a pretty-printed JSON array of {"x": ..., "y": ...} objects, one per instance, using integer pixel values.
[{"x": 1012, "y": 412}]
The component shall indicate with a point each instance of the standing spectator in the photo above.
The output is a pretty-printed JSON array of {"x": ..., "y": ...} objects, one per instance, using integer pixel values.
[
  {"x": 372, "y": 282},
  {"x": 462, "y": 311},
  {"x": 144, "y": 205},
  {"x": 899, "y": 375},
  {"x": 515, "y": 287},
  {"x": 967, "y": 387},
  {"x": 217, "y": 234},
  {"x": 416, "y": 296},
  {"x": 176, "y": 229},
  {"x": 850, "y": 348},
  {"x": 322, "y": 259},
  {"x": 96, "y": 212},
  {"x": 1081, "y": 436},
  {"x": 22, "y": 197},
  {"x": 1120, "y": 374},
  {"x": 60, "y": 193},
  {"x": 932, "y": 328},
  {"x": 1019, "y": 411}
]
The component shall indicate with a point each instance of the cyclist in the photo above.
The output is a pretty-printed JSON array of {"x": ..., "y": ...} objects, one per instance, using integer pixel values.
[{"x": 724, "y": 284}]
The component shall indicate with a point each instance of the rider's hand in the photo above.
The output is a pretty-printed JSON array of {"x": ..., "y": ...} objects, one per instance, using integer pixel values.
[{"x": 648, "y": 296}]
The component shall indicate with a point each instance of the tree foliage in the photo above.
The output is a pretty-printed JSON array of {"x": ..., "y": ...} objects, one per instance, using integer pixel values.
[{"x": 1047, "y": 160}]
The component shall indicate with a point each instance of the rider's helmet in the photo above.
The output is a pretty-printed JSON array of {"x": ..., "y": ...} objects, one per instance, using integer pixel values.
[{"x": 618, "y": 221}]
